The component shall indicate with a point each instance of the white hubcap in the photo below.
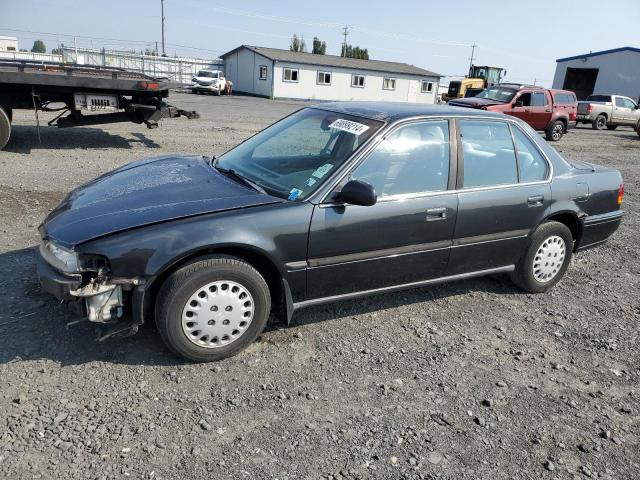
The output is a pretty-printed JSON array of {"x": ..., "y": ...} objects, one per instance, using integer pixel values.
[
  {"x": 217, "y": 314},
  {"x": 549, "y": 259}
]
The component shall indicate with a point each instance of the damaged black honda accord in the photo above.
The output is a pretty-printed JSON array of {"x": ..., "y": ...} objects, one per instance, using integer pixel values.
[{"x": 332, "y": 202}]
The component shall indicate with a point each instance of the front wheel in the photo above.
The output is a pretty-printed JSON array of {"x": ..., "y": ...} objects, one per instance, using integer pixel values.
[
  {"x": 555, "y": 131},
  {"x": 212, "y": 308},
  {"x": 546, "y": 259}
]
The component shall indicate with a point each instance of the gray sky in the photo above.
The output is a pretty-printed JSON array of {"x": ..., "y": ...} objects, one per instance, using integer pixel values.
[{"x": 433, "y": 35}]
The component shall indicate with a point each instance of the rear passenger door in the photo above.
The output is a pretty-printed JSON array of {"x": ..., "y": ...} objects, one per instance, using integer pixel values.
[
  {"x": 540, "y": 110},
  {"x": 619, "y": 114},
  {"x": 503, "y": 194}
]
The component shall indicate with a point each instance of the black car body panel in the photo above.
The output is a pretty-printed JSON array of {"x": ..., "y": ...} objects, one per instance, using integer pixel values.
[{"x": 151, "y": 216}]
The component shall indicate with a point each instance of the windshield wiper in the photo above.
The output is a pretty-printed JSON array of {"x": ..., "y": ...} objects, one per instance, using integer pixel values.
[{"x": 230, "y": 172}]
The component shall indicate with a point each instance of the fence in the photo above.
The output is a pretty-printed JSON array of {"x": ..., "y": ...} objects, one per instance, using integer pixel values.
[
  {"x": 35, "y": 57},
  {"x": 176, "y": 69}
]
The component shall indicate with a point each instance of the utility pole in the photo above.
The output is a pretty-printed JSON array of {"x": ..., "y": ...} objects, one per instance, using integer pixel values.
[
  {"x": 162, "y": 7},
  {"x": 345, "y": 32},
  {"x": 473, "y": 51}
]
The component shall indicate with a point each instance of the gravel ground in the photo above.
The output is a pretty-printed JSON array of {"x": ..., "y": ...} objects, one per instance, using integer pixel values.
[{"x": 473, "y": 379}]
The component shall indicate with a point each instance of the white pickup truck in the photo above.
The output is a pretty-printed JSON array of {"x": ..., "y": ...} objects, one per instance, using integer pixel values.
[
  {"x": 211, "y": 81},
  {"x": 609, "y": 111}
]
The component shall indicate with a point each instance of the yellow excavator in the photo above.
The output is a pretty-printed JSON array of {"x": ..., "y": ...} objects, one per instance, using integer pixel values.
[{"x": 479, "y": 78}]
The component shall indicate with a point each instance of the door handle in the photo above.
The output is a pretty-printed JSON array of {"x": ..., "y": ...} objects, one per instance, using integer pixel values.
[
  {"x": 535, "y": 201},
  {"x": 435, "y": 214}
]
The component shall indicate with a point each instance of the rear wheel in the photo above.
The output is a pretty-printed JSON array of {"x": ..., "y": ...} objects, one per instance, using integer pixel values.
[
  {"x": 5, "y": 128},
  {"x": 612, "y": 127},
  {"x": 555, "y": 131},
  {"x": 212, "y": 308},
  {"x": 546, "y": 259},
  {"x": 600, "y": 122}
]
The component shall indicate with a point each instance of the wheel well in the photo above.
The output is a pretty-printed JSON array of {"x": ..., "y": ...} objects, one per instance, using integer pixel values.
[
  {"x": 602, "y": 115},
  {"x": 570, "y": 220},
  {"x": 259, "y": 261}
]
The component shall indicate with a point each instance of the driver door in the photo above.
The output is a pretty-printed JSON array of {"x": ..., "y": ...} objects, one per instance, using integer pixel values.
[{"x": 406, "y": 236}]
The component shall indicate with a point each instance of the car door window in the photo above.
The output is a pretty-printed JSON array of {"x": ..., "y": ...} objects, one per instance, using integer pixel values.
[
  {"x": 413, "y": 159},
  {"x": 539, "y": 99},
  {"x": 620, "y": 102},
  {"x": 532, "y": 166},
  {"x": 629, "y": 104},
  {"x": 525, "y": 99},
  {"x": 489, "y": 158}
]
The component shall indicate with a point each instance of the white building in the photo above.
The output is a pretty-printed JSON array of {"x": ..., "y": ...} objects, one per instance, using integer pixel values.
[
  {"x": 8, "y": 44},
  {"x": 275, "y": 73},
  {"x": 609, "y": 72}
]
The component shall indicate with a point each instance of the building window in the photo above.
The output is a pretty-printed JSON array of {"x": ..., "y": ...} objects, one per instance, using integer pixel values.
[
  {"x": 427, "y": 86},
  {"x": 11, "y": 49},
  {"x": 324, "y": 78},
  {"x": 290, "y": 74},
  {"x": 357, "y": 81},
  {"x": 389, "y": 83},
  {"x": 263, "y": 72}
]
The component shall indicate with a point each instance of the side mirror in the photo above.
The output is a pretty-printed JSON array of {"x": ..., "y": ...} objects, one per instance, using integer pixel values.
[{"x": 356, "y": 192}]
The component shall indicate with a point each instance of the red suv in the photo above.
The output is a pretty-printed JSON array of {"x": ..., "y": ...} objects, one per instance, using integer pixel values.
[{"x": 552, "y": 111}]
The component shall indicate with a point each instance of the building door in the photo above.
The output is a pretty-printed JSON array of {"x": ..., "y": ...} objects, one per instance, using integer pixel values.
[
  {"x": 582, "y": 81},
  {"x": 412, "y": 96}
]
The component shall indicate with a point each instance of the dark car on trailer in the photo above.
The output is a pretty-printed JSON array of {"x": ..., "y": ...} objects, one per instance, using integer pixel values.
[{"x": 332, "y": 202}]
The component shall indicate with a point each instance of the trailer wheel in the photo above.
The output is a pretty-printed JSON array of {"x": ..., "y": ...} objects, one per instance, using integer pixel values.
[{"x": 5, "y": 128}]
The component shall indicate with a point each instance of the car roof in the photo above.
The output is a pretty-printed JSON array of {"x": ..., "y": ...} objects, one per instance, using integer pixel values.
[{"x": 393, "y": 111}]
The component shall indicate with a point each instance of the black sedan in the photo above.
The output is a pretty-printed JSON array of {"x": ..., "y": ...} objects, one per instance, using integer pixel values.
[{"x": 332, "y": 202}]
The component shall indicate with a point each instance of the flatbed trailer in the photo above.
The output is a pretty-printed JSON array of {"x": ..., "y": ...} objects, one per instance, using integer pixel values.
[{"x": 111, "y": 94}]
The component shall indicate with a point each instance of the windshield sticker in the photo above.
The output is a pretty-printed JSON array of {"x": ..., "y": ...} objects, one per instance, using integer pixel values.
[
  {"x": 294, "y": 193},
  {"x": 322, "y": 171},
  {"x": 349, "y": 126},
  {"x": 310, "y": 182}
]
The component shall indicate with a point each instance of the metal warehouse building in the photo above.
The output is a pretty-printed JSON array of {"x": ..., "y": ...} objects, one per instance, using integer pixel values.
[
  {"x": 275, "y": 73},
  {"x": 609, "y": 72}
]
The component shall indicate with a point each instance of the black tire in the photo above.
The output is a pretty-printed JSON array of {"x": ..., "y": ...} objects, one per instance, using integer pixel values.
[
  {"x": 5, "y": 128},
  {"x": 612, "y": 127},
  {"x": 600, "y": 122},
  {"x": 186, "y": 281},
  {"x": 555, "y": 131},
  {"x": 194, "y": 91},
  {"x": 524, "y": 276}
]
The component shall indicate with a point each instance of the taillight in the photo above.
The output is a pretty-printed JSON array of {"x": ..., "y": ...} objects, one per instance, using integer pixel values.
[
  {"x": 620, "y": 193},
  {"x": 148, "y": 85},
  {"x": 589, "y": 107},
  {"x": 572, "y": 116}
]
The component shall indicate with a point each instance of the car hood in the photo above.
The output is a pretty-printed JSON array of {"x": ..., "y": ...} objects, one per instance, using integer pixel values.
[
  {"x": 146, "y": 192},
  {"x": 473, "y": 102}
]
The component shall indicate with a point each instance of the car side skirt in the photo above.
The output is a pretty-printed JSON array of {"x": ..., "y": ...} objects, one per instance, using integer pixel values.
[{"x": 393, "y": 288}]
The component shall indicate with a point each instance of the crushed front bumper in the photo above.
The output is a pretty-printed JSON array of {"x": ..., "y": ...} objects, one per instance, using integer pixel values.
[{"x": 57, "y": 283}]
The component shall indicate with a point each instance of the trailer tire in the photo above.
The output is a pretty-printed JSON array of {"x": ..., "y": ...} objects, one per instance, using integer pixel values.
[{"x": 5, "y": 128}]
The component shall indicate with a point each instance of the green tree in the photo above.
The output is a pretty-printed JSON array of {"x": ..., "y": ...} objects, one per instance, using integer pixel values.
[
  {"x": 297, "y": 44},
  {"x": 58, "y": 51},
  {"x": 350, "y": 51},
  {"x": 319, "y": 48},
  {"x": 39, "y": 47}
]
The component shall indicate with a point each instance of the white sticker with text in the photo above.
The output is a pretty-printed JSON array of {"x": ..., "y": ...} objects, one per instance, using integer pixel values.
[
  {"x": 322, "y": 171},
  {"x": 349, "y": 126}
]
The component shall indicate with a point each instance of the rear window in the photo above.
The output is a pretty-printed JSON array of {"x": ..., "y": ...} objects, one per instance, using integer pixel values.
[
  {"x": 599, "y": 98},
  {"x": 564, "y": 98}
]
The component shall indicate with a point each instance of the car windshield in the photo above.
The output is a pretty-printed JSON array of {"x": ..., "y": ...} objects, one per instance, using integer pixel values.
[
  {"x": 498, "y": 94},
  {"x": 204, "y": 73},
  {"x": 293, "y": 157}
]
